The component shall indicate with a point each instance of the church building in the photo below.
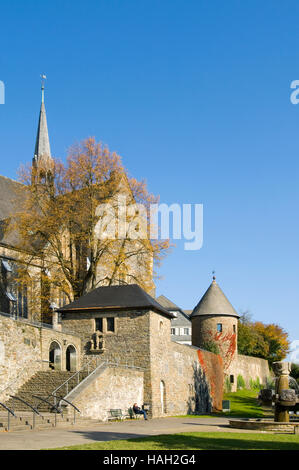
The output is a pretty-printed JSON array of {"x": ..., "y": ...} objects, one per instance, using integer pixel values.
[{"x": 117, "y": 340}]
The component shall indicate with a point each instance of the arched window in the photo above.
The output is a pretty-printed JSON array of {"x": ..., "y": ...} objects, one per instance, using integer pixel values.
[
  {"x": 22, "y": 301},
  {"x": 55, "y": 356},
  {"x": 71, "y": 364}
]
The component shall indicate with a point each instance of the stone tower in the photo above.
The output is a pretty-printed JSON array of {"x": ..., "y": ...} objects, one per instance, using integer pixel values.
[
  {"x": 42, "y": 162},
  {"x": 215, "y": 321}
]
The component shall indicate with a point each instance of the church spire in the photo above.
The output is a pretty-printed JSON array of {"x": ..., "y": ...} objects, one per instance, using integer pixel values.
[{"x": 42, "y": 161}]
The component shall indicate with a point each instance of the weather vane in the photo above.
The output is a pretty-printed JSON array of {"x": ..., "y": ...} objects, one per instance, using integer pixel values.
[
  {"x": 214, "y": 277},
  {"x": 43, "y": 78}
]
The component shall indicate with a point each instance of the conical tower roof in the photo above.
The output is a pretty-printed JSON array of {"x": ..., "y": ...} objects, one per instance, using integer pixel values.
[{"x": 214, "y": 302}]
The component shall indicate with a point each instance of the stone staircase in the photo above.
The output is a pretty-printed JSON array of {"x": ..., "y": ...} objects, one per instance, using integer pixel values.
[
  {"x": 26, "y": 421},
  {"x": 42, "y": 384}
]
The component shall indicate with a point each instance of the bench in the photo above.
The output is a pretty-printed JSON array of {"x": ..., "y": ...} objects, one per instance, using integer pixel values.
[
  {"x": 116, "y": 414},
  {"x": 134, "y": 415}
]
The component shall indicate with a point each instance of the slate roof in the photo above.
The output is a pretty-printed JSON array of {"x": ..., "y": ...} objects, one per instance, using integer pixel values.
[
  {"x": 188, "y": 312},
  {"x": 12, "y": 196},
  {"x": 214, "y": 302},
  {"x": 130, "y": 296},
  {"x": 42, "y": 143},
  {"x": 172, "y": 307},
  {"x": 168, "y": 304}
]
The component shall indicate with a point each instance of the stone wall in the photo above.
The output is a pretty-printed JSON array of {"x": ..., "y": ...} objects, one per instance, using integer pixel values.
[
  {"x": 251, "y": 368},
  {"x": 24, "y": 350},
  {"x": 180, "y": 382},
  {"x": 114, "y": 388},
  {"x": 212, "y": 367},
  {"x": 20, "y": 357},
  {"x": 142, "y": 338}
]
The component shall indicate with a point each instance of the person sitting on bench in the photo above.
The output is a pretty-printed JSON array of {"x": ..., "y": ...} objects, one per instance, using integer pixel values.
[{"x": 138, "y": 411}]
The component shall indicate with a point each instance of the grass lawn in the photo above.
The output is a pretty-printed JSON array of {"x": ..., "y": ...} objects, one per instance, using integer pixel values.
[
  {"x": 243, "y": 404},
  {"x": 199, "y": 441}
]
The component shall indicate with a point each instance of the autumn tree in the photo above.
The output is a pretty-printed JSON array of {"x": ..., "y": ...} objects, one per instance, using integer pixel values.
[
  {"x": 276, "y": 338},
  {"x": 87, "y": 223},
  {"x": 268, "y": 341}
]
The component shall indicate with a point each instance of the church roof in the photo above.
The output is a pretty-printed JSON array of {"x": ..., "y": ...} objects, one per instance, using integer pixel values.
[
  {"x": 42, "y": 144},
  {"x": 214, "y": 302},
  {"x": 42, "y": 152},
  {"x": 130, "y": 296},
  {"x": 12, "y": 196}
]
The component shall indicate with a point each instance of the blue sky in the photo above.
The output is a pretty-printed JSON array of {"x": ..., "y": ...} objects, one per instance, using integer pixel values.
[{"x": 195, "y": 97}]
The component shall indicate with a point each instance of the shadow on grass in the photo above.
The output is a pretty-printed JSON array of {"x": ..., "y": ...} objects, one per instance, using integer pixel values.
[
  {"x": 218, "y": 443},
  {"x": 200, "y": 441}
]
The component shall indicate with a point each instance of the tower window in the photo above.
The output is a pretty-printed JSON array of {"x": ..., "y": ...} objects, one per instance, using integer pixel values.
[
  {"x": 219, "y": 327},
  {"x": 234, "y": 328},
  {"x": 231, "y": 379}
]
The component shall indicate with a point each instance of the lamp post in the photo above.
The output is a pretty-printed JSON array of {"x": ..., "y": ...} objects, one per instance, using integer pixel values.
[{"x": 54, "y": 307}]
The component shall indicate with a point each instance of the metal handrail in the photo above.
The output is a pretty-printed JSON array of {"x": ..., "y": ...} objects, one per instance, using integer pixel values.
[
  {"x": 54, "y": 393},
  {"x": 33, "y": 409},
  {"x": 8, "y": 414},
  {"x": 70, "y": 403},
  {"x": 52, "y": 406},
  {"x": 8, "y": 409},
  {"x": 77, "y": 373},
  {"x": 37, "y": 324},
  {"x": 21, "y": 399},
  {"x": 126, "y": 366},
  {"x": 75, "y": 408},
  {"x": 49, "y": 403}
]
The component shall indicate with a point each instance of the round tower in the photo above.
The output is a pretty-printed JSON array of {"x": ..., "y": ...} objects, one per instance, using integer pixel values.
[{"x": 215, "y": 326}]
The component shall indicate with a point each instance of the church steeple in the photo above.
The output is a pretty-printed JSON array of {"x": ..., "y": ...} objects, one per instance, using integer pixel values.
[{"x": 42, "y": 162}]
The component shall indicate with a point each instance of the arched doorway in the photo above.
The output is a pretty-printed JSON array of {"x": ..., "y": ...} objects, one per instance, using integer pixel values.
[
  {"x": 163, "y": 397},
  {"x": 55, "y": 356},
  {"x": 71, "y": 358}
]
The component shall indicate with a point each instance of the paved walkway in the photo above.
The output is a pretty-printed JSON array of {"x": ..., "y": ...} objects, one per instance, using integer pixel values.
[{"x": 54, "y": 438}]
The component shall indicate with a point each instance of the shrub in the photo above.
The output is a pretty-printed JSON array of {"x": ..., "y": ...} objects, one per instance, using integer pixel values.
[
  {"x": 270, "y": 383},
  {"x": 255, "y": 384},
  {"x": 227, "y": 385},
  {"x": 240, "y": 382},
  {"x": 211, "y": 346}
]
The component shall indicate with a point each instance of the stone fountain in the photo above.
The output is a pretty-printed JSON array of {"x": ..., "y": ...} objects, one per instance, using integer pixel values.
[{"x": 284, "y": 398}]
